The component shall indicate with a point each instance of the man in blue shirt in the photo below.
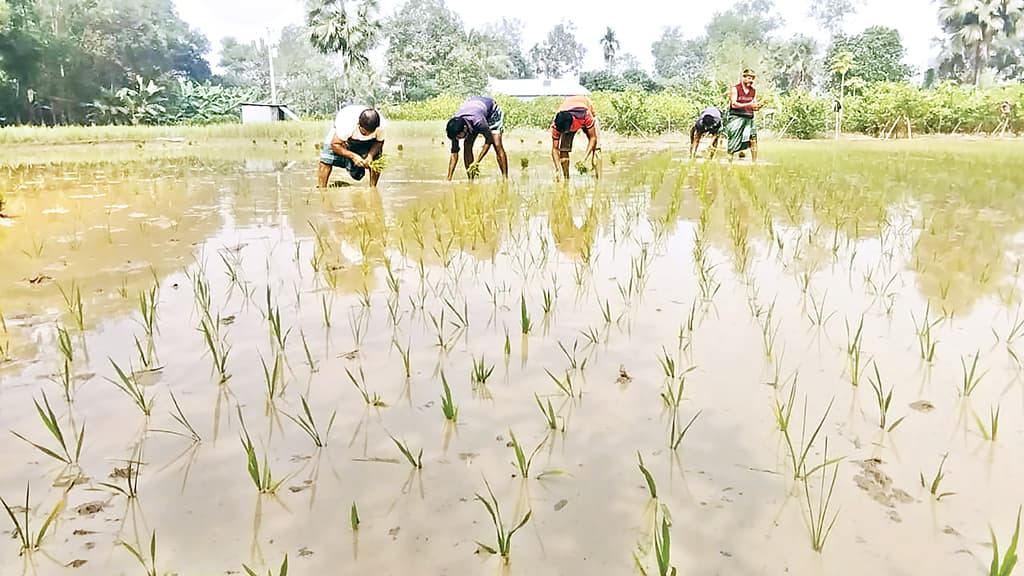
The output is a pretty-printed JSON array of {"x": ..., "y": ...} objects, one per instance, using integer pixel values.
[{"x": 479, "y": 115}]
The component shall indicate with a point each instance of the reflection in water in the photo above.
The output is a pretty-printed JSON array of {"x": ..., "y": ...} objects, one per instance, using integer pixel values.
[{"x": 714, "y": 262}]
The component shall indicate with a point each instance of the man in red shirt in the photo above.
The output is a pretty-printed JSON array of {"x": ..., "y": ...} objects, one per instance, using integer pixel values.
[
  {"x": 741, "y": 129},
  {"x": 576, "y": 113}
]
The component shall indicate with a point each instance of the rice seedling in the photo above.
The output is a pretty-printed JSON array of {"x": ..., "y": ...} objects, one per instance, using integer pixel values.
[
  {"x": 73, "y": 303},
  {"x": 1016, "y": 330},
  {"x": 663, "y": 549},
  {"x": 855, "y": 344},
  {"x": 817, "y": 315},
  {"x": 676, "y": 435},
  {"x": 405, "y": 354},
  {"x": 357, "y": 326},
  {"x": 473, "y": 171},
  {"x": 131, "y": 476},
  {"x": 933, "y": 486},
  {"x": 325, "y": 309},
  {"x": 148, "y": 564},
  {"x": 673, "y": 393},
  {"x": 23, "y": 530},
  {"x": 128, "y": 383},
  {"x": 575, "y": 363},
  {"x": 668, "y": 364},
  {"x": 305, "y": 421},
  {"x": 360, "y": 384},
  {"x": 448, "y": 407},
  {"x": 417, "y": 461},
  {"x": 353, "y": 518},
  {"x": 282, "y": 571},
  {"x": 309, "y": 355},
  {"x": 278, "y": 336},
  {"x": 147, "y": 308},
  {"x": 971, "y": 378},
  {"x": 565, "y": 385},
  {"x": 548, "y": 301},
  {"x": 182, "y": 420},
  {"x": 524, "y": 316},
  {"x": 883, "y": 400},
  {"x": 798, "y": 452},
  {"x": 52, "y": 424},
  {"x": 818, "y": 512},
  {"x": 147, "y": 356},
  {"x": 262, "y": 477},
  {"x": 216, "y": 346},
  {"x": 1005, "y": 566},
  {"x": 606, "y": 312},
  {"x": 503, "y": 534},
  {"x": 592, "y": 336},
  {"x": 63, "y": 344},
  {"x": 273, "y": 377},
  {"x": 652, "y": 488},
  {"x": 550, "y": 418},
  {"x": 508, "y": 344},
  {"x": 990, "y": 432},
  {"x": 925, "y": 342}
]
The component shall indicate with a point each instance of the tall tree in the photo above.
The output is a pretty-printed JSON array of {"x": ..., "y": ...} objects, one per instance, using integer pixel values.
[
  {"x": 796, "y": 63},
  {"x": 831, "y": 14},
  {"x": 422, "y": 35},
  {"x": 507, "y": 35},
  {"x": 676, "y": 57},
  {"x": 559, "y": 53},
  {"x": 345, "y": 28},
  {"x": 878, "y": 56},
  {"x": 609, "y": 47},
  {"x": 974, "y": 27}
]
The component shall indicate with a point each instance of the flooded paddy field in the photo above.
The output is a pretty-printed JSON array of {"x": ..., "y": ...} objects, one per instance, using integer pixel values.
[{"x": 205, "y": 356}]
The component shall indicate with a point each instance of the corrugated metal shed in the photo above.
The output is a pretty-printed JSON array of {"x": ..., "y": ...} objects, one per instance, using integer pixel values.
[
  {"x": 256, "y": 113},
  {"x": 537, "y": 87}
]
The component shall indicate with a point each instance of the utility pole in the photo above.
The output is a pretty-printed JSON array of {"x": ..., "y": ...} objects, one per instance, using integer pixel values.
[{"x": 270, "y": 57}]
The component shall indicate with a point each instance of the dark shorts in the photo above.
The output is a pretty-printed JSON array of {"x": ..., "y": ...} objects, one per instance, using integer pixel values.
[{"x": 360, "y": 147}]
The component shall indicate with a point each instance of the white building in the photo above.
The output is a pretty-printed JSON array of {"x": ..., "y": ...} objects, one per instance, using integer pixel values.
[{"x": 537, "y": 87}]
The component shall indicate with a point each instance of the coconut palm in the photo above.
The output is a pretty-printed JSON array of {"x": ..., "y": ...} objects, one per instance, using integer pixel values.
[
  {"x": 344, "y": 28},
  {"x": 610, "y": 46},
  {"x": 841, "y": 64},
  {"x": 975, "y": 26}
]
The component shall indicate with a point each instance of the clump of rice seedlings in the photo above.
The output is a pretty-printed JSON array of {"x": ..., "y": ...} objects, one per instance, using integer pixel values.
[
  {"x": 282, "y": 571},
  {"x": 73, "y": 303},
  {"x": 473, "y": 171},
  {"x": 990, "y": 432},
  {"x": 1005, "y": 566},
  {"x": 417, "y": 461},
  {"x": 131, "y": 476},
  {"x": 592, "y": 336},
  {"x": 925, "y": 342},
  {"x": 503, "y": 534},
  {"x": 818, "y": 512},
  {"x": 548, "y": 301},
  {"x": 884, "y": 400},
  {"x": 676, "y": 435},
  {"x": 575, "y": 363},
  {"x": 582, "y": 168},
  {"x": 357, "y": 325},
  {"x": 448, "y": 407},
  {"x": 216, "y": 346},
  {"x": 260, "y": 474},
  {"x": 673, "y": 393},
  {"x": 550, "y": 418},
  {"x": 663, "y": 549},
  {"x": 52, "y": 424},
  {"x": 971, "y": 378},
  {"x": 148, "y": 564},
  {"x": 933, "y": 486},
  {"x": 379, "y": 163},
  {"x": 147, "y": 355},
  {"x": 564, "y": 384},
  {"x": 128, "y": 383},
  {"x": 147, "y": 308},
  {"x": 278, "y": 336},
  {"x": 652, "y": 488},
  {"x": 273, "y": 377},
  {"x": 854, "y": 346},
  {"x": 668, "y": 364},
  {"x": 522, "y": 463},
  {"x": 1016, "y": 329},
  {"x": 360, "y": 384},
  {"x": 232, "y": 266},
  {"x": 305, "y": 421},
  {"x": 65, "y": 377},
  {"x": 524, "y": 317},
  {"x": 23, "y": 530},
  {"x": 798, "y": 451},
  {"x": 524, "y": 163},
  {"x": 353, "y": 518}
]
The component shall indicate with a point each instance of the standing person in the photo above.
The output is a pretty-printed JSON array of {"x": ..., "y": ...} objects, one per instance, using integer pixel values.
[
  {"x": 479, "y": 115},
  {"x": 356, "y": 139},
  {"x": 576, "y": 113},
  {"x": 741, "y": 129},
  {"x": 709, "y": 122}
]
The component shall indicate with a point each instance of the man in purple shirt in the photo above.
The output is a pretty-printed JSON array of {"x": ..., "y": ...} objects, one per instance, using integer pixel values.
[{"x": 478, "y": 115}]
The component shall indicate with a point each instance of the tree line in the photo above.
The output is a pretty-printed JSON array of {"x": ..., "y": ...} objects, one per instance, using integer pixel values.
[{"x": 138, "y": 62}]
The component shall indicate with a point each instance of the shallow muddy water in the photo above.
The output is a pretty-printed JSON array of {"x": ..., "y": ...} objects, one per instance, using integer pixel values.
[{"x": 749, "y": 283}]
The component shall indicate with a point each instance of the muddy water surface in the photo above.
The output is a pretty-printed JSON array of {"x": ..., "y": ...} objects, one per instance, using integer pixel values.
[{"x": 742, "y": 286}]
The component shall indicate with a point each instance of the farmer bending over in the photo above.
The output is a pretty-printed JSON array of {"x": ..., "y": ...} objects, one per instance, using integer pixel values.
[
  {"x": 576, "y": 113},
  {"x": 356, "y": 139},
  {"x": 709, "y": 122},
  {"x": 740, "y": 129},
  {"x": 478, "y": 115}
]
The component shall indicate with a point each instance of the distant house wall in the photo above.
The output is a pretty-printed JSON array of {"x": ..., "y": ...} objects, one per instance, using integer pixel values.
[
  {"x": 537, "y": 87},
  {"x": 263, "y": 113}
]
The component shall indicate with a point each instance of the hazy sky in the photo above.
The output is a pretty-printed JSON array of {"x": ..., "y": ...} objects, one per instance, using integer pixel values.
[{"x": 637, "y": 23}]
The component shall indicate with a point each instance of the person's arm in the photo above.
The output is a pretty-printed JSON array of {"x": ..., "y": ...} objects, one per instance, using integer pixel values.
[
  {"x": 454, "y": 160},
  {"x": 467, "y": 152},
  {"x": 591, "y": 141},
  {"x": 375, "y": 152},
  {"x": 340, "y": 147}
]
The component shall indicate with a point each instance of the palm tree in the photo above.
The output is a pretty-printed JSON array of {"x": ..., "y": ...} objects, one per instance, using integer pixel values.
[
  {"x": 975, "y": 25},
  {"x": 610, "y": 46},
  {"x": 841, "y": 64},
  {"x": 344, "y": 28}
]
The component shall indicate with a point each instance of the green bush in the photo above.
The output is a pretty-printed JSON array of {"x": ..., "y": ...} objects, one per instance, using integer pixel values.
[{"x": 801, "y": 115}]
